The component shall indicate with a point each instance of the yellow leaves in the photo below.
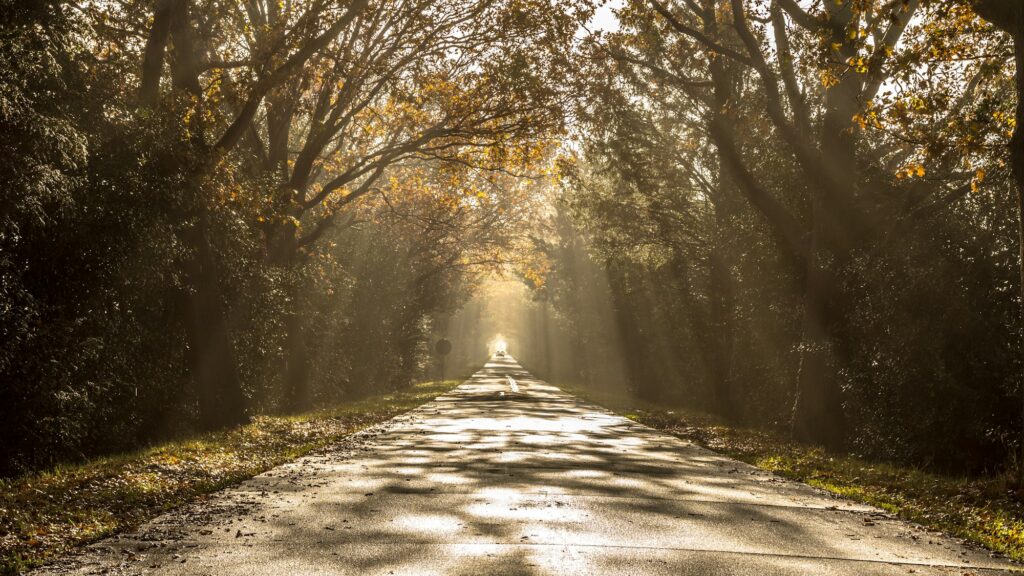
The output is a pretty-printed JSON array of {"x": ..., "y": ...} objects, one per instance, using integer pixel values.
[
  {"x": 918, "y": 104},
  {"x": 1006, "y": 120},
  {"x": 536, "y": 273},
  {"x": 828, "y": 79},
  {"x": 166, "y": 459},
  {"x": 867, "y": 118},
  {"x": 979, "y": 177},
  {"x": 911, "y": 170},
  {"x": 214, "y": 87},
  {"x": 858, "y": 63},
  {"x": 186, "y": 119}
]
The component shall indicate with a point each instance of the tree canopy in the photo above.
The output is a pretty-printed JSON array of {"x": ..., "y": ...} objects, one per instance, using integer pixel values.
[{"x": 791, "y": 213}]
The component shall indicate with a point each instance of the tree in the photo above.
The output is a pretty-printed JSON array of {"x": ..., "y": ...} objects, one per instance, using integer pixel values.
[
  {"x": 405, "y": 81},
  {"x": 225, "y": 62},
  {"x": 1008, "y": 16},
  {"x": 767, "y": 87}
]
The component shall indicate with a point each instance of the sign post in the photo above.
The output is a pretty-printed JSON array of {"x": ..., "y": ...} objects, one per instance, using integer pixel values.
[{"x": 443, "y": 348}]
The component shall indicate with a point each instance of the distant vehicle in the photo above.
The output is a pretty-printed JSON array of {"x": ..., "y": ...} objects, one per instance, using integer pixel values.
[{"x": 500, "y": 353}]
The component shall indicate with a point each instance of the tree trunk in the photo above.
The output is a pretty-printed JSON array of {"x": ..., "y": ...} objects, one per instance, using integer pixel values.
[
  {"x": 720, "y": 279},
  {"x": 300, "y": 396},
  {"x": 1008, "y": 16},
  {"x": 153, "y": 57},
  {"x": 1017, "y": 163},
  {"x": 211, "y": 354},
  {"x": 723, "y": 337},
  {"x": 283, "y": 253},
  {"x": 817, "y": 412}
]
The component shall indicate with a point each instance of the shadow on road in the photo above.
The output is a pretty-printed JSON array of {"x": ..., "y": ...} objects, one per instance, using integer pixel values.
[{"x": 485, "y": 480}]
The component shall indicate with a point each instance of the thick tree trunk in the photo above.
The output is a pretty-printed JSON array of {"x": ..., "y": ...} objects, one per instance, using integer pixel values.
[
  {"x": 1017, "y": 151},
  {"x": 153, "y": 57},
  {"x": 211, "y": 354},
  {"x": 723, "y": 336},
  {"x": 544, "y": 339},
  {"x": 706, "y": 324},
  {"x": 1008, "y": 16},
  {"x": 283, "y": 253},
  {"x": 720, "y": 279},
  {"x": 817, "y": 412},
  {"x": 1017, "y": 163},
  {"x": 300, "y": 396},
  {"x": 632, "y": 322}
]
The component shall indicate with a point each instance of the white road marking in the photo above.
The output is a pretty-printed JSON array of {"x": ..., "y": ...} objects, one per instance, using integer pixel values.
[{"x": 512, "y": 384}]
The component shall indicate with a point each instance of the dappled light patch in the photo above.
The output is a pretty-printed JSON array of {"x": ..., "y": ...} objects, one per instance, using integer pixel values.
[{"x": 418, "y": 524}]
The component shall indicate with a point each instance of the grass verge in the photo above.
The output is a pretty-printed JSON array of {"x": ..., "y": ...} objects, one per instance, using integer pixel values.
[
  {"x": 986, "y": 510},
  {"x": 43, "y": 515}
]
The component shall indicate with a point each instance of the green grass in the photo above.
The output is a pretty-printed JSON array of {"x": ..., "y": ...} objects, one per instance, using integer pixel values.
[
  {"x": 43, "y": 515},
  {"x": 987, "y": 510}
]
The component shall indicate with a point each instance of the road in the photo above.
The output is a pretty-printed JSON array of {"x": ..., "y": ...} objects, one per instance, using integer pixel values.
[{"x": 487, "y": 481}]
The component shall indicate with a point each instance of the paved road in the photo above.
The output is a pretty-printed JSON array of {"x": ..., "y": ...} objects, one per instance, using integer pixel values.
[{"x": 485, "y": 481}]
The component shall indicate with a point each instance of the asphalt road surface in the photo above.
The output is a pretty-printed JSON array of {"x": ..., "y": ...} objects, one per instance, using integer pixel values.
[{"x": 490, "y": 481}]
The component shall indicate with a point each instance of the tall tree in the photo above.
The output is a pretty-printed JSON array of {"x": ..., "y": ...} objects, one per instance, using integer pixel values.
[
  {"x": 405, "y": 81},
  {"x": 279, "y": 42},
  {"x": 1008, "y": 16},
  {"x": 851, "y": 69}
]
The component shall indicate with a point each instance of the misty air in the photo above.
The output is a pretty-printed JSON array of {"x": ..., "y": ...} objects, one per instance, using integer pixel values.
[{"x": 511, "y": 287}]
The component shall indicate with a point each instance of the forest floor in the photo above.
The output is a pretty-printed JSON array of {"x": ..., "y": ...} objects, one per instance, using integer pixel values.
[
  {"x": 987, "y": 510},
  {"x": 46, "y": 514}
]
